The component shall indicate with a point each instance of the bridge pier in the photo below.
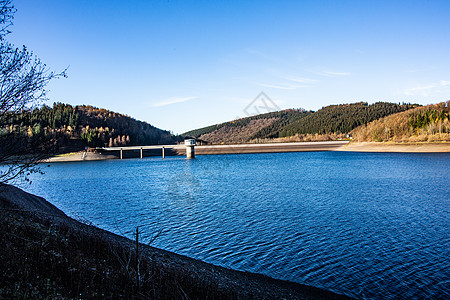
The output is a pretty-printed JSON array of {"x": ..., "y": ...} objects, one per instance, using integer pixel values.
[
  {"x": 189, "y": 145},
  {"x": 190, "y": 151}
]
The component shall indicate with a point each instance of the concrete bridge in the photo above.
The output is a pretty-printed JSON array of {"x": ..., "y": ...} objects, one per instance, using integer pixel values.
[{"x": 188, "y": 146}]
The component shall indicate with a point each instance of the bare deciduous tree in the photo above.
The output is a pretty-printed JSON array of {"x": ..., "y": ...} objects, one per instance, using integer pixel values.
[{"x": 23, "y": 78}]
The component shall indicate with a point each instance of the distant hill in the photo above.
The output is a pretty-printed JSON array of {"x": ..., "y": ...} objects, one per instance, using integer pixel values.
[
  {"x": 75, "y": 127},
  {"x": 422, "y": 124},
  {"x": 245, "y": 129},
  {"x": 333, "y": 119}
]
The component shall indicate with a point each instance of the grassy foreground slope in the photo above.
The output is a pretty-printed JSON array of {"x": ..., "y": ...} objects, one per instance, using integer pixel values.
[
  {"x": 429, "y": 123},
  {"x": 47, "y": 255},
  {"x": 330, "y": 122}
]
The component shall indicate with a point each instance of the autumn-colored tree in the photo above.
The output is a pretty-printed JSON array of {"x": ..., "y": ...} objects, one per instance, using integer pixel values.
[{"x": 423, "y": 124}]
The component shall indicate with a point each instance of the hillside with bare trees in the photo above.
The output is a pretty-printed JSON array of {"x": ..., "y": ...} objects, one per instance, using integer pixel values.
[
  {"x": 422, "y": 124},
  {"x": 75, "y": 127},
  {"x": 329, "y": 123}
]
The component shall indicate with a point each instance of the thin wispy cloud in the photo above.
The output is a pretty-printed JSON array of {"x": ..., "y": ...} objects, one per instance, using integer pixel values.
[
  {"x": 301, "y": 80},
  {"x": 173, "y": 100},
  {"x": 333, "y": 74},
  {"x": 262, "y": 55},
  {"x": 288, "y": 83},
  {"x": 423, "y": 90},
  {"x": 421, "y": 70},
  {"x": 428, "y": 89},
  {"x": 280, "y": 86},
  {"x": 444, "y": 82}
]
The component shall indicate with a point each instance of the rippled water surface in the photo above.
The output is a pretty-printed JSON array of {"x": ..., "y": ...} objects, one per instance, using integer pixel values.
[{"x": 368, "y": 225}]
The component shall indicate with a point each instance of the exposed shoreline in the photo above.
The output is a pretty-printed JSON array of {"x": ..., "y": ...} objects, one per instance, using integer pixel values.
[
  {"x": 78, "y": 156},
  {"x": 443, "y": 147},
  {"x": 19, "y": 207},
  {"x": 270, "y": 147}
]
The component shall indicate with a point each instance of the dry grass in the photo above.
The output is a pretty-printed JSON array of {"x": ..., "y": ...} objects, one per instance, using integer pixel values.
[{"x": 397, "y": 127}]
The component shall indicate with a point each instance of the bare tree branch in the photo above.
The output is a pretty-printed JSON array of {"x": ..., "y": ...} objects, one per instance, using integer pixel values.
[{"x": 23, "y": 78}]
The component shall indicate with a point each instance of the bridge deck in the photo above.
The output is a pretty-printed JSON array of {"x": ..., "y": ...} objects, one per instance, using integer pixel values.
[{"x": 144, "y": 147}]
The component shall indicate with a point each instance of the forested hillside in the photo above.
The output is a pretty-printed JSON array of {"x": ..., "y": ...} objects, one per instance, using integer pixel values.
[
  {"x": 74, "y": 127},
  {"x": 429, "y": 123},
  {"x": 245, "y": 129},
  {"x": 342, "y": 118},
  {"x": 327, "y": 123}
]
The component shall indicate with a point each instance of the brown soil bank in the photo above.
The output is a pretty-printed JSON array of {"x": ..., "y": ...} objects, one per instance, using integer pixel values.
[
  {"x": 45, "y": 254},
  {"x": 397, "y": 147}
]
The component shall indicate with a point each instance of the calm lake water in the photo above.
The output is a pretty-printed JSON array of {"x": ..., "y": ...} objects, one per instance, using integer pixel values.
[{"x": 368, "y": 225}]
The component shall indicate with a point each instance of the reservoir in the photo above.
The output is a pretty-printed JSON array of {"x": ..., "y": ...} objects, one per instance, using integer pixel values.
[{"x": 367, "y": 225}]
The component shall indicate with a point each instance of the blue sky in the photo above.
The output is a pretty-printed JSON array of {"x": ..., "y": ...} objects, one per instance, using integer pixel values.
[{"x": 181, "y": 65}]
